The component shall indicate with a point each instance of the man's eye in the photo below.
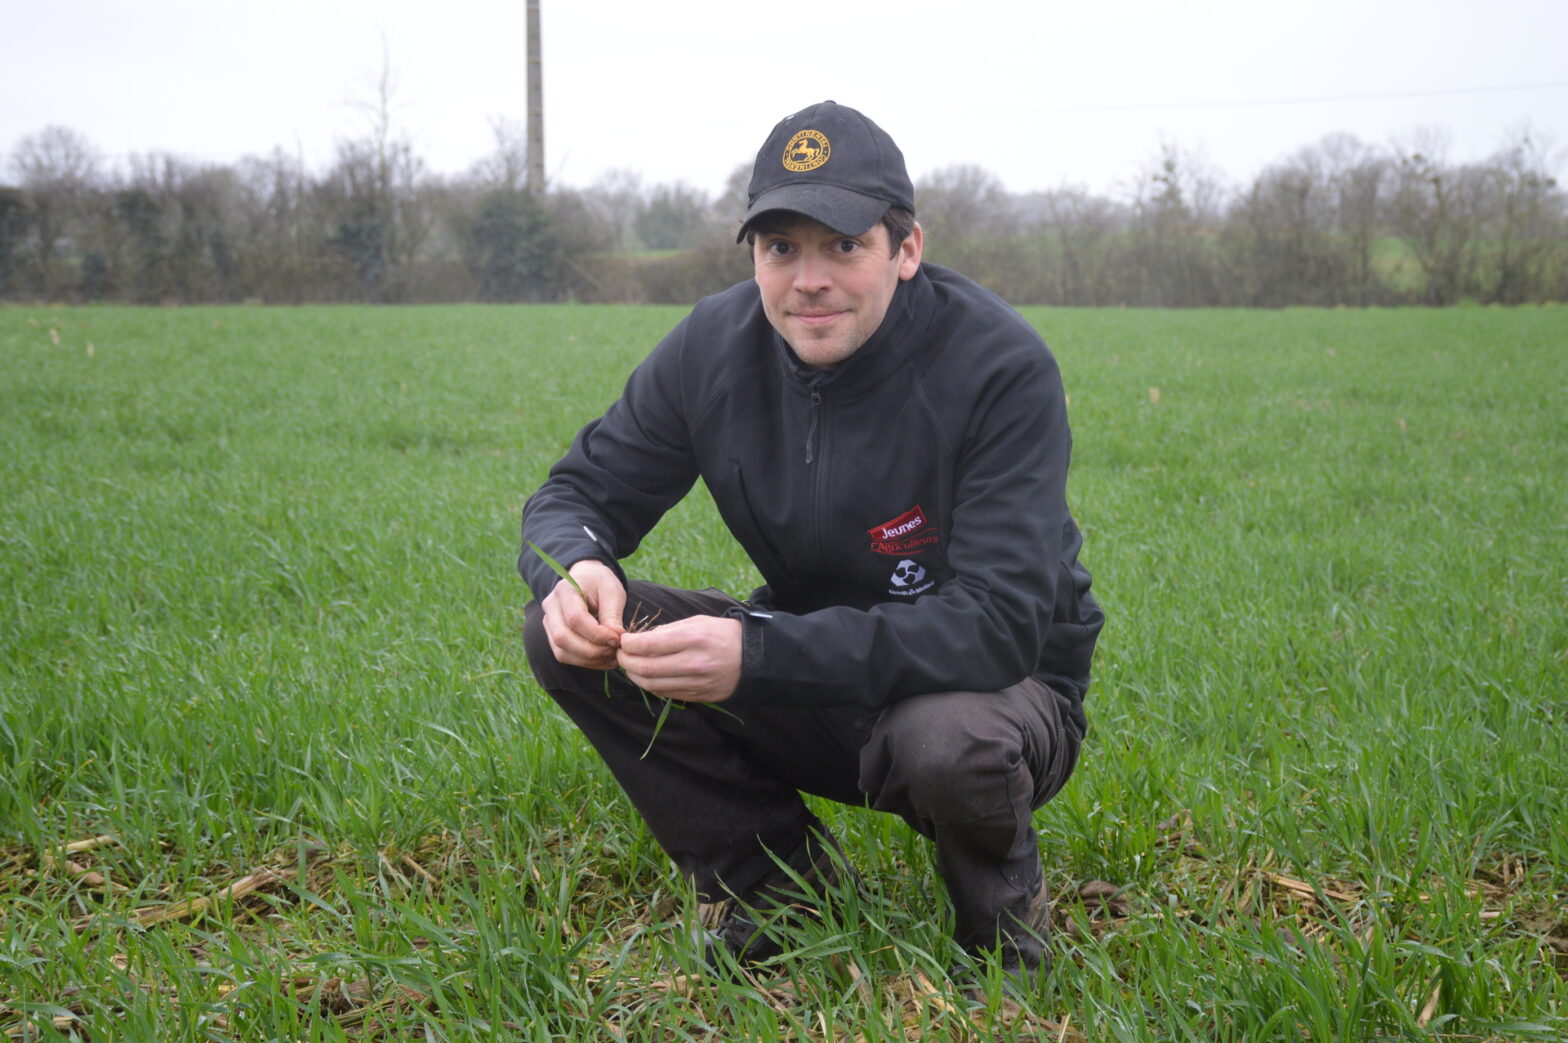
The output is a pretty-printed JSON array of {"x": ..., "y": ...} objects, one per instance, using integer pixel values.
[
  {"x": 778, "y": 246},
  {"x": 847, "y": 246}
]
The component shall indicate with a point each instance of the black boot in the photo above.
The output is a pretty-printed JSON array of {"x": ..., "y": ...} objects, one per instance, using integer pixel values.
[
  {"x": 738, "y": 928},
  {"x": 1021, "y": 955}
]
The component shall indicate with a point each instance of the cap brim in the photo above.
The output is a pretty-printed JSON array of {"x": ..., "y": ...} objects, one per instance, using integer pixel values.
[{"x": 841, "y": 209}]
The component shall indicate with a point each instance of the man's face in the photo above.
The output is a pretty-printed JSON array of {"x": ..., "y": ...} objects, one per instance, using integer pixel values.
[{"x": 826, "y": 292}]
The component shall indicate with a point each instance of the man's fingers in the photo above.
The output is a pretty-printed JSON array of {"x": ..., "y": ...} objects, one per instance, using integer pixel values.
[
  {"x": 696, "y": 659},
  {"x": 603, "y": 593},
  {"x": 665, "y": 669},
  {"x": 686, "y": 690},
  {"x": 577, "y": 637},
  {"x": 586, "y": 624},
  {"x": 682, "y": 687},
  {"x": 659, "y": 641},
  {"x": 607, "y": 598},
  {"x": 574, "y": 649}
]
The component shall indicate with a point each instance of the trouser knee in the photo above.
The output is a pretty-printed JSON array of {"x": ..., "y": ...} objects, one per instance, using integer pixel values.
[
  {"x": 929, "y": 763},
  {"x": 969, "y": 756}
]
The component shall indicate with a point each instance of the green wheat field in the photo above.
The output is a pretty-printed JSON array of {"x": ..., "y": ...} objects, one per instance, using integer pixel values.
[{"x": 272, "y": 766}]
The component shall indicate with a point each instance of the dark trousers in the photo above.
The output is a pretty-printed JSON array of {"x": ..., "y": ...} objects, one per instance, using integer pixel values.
[{"x": 721, "y": 788}]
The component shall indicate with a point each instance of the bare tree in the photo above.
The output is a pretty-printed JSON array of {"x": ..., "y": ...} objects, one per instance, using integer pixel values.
[
  {"x": 507, "y": 164},
  {"x": 963, "y": 201},
  {"x": 1527, "y": 212},
  {"x": 1438, "y": 210},
  {"x": 1085, "y": 228},
  {"x": 177, "y": 231},
  {"x": 673, "y": 217},
  {"x": 1358, "y": 175},
  {"x": 617, "y": 198},
  {"x": 57, "y": 169},
  {"x": 970, "y": 223},
  {"x": 280, "y": 244},
  {"x": 372, "y": 191},
  {"x": 13, "y": 230},
  {"x": 1176, "y": 201},
  {"x": 730, "y": 206},
  {"x": 1282, "y": 227}
]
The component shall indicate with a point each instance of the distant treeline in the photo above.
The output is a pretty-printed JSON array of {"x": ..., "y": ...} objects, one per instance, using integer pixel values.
[{"x": 1338, "y": 223}]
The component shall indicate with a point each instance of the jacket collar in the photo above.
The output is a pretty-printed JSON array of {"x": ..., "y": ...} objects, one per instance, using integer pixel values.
[{"x": 887, "y": 350}]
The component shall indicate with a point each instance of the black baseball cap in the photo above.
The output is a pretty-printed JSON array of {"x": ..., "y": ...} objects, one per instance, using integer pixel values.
[{"x": 832, "y": 164}]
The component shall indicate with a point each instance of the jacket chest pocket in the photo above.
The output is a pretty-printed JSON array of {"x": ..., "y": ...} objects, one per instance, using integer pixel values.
[{"x": 747, "y": 520}]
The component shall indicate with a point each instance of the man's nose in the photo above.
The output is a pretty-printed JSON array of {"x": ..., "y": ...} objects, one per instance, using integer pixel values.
[{"x": 812, "y": 273}]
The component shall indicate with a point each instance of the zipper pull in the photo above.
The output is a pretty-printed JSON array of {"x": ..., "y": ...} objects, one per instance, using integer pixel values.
[{"x": 816, "y": 400}]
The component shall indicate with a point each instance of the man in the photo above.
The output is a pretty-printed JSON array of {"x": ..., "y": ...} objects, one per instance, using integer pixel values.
[{"x": 889, "y": 444}]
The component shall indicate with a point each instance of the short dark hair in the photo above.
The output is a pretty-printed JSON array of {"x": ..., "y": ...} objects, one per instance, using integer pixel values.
[{"x": 898, "y": 221}]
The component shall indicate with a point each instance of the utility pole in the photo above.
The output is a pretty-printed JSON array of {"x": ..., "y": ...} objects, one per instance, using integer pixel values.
[{"x": 535, "y": 103}]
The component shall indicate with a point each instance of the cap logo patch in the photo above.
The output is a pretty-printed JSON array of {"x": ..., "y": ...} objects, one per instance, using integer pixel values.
[{"x": 807, "y": 150}]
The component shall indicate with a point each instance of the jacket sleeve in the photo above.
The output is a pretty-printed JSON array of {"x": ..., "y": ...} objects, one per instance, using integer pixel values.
[
  {"x": 1011, "y": 549},
  {"x": 622, "y": 472}
]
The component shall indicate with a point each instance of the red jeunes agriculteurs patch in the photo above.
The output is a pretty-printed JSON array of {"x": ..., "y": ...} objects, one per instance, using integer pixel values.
[{"x": 905, "y": 534}]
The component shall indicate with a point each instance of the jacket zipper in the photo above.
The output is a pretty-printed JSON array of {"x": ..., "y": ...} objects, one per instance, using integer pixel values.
[
  {"x": 811, "y": 433},
  {"x": 820, "y": 430}
]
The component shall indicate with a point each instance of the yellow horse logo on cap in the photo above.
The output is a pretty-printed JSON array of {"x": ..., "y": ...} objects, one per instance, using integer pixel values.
[{"x": 807, "y": 150}]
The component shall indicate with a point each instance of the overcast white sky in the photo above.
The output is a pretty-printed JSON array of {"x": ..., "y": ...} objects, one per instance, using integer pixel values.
[{"x": 1041, "y": 93}]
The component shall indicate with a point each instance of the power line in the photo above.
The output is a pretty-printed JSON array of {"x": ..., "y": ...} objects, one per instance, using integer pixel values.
[{"x": 1326, "y": 99}]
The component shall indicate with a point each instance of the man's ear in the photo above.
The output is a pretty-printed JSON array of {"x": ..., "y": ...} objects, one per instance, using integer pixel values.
[{"x": 909, "y": 252}]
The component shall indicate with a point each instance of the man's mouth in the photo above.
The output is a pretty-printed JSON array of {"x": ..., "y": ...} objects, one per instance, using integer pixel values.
[{"x": 817, "y": 318}]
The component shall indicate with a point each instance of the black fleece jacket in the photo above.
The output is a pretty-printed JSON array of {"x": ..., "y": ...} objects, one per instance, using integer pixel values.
[{"x": 907, "y": 509}]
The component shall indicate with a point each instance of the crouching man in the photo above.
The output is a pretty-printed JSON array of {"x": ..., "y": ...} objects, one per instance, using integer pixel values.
[{"x": 889, "y": 444}]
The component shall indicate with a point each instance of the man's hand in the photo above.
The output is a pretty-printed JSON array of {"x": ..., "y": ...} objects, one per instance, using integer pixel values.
[
  {"x": 696, "y": 660},
  {"x": 585, "y": 629}
]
